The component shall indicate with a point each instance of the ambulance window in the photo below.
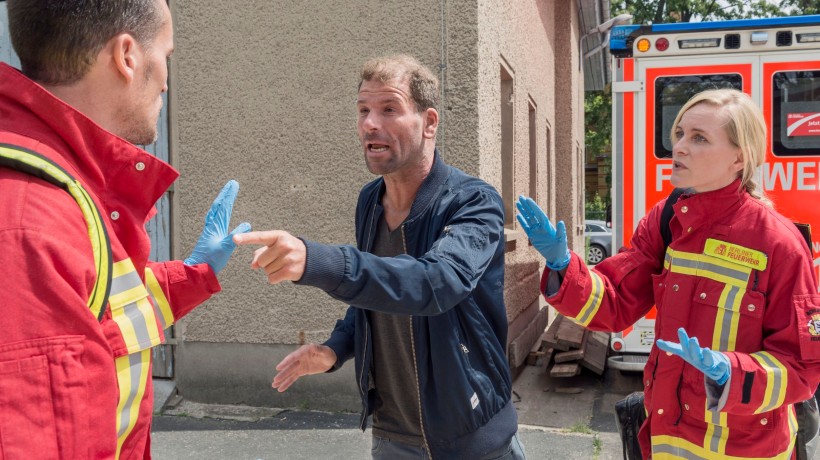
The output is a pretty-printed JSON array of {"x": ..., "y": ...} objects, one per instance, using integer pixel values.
[
  {"x": 796, "y": 113},
  {"x": 670, "y": 95}
]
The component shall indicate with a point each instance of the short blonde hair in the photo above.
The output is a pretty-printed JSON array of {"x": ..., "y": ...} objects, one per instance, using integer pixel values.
[{"x": 745, "y": 127}]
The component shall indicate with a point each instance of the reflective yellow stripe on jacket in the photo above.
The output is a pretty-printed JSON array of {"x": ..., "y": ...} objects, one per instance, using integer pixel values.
[
  {"x": 162, "y": 307},
  {"x": 594, "y": 301},
  {"x": 136, "y": 317},
  {"x": 669, "y": 448},
  {"x": 132, "y": 378},
  {"x": 776, "y": 381},
  {"x": 735, "y": 278},
  {"x": 132, "y": 309}
]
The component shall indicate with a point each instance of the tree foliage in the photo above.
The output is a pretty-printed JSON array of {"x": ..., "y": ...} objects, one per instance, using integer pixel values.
[
  {"x": 598, "y": 122},
  {"x": 799, "y": 7},
  {"x": 666, "y": 11}
]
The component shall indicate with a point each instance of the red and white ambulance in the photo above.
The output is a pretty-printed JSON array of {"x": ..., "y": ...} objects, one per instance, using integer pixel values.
[{"x": 657, "y": 68}]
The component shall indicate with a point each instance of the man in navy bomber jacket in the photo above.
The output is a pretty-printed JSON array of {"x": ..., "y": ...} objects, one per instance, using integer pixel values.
[{"x": 426, "y": 323}]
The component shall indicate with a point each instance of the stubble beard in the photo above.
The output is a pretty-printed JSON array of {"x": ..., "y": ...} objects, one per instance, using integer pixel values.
[
  {"x": 392, "y": 164},
  {"x": 141, "y": 131},
  {"x": 142, "y": 135}
]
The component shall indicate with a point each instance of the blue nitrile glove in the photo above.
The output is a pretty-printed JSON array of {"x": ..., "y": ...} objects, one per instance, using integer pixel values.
[
  {"x": 549, "y": 240},
  {"x": 215, "y": 244},
  {"x": 712, "y": 363}
]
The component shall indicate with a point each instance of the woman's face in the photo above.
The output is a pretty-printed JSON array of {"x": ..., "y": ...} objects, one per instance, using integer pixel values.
[{"x": 703, "y": 157}]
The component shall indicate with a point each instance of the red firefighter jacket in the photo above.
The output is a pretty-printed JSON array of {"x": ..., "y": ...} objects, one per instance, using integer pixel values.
[
  {"x": 737, "y": 276},
  {"x": 72, "y": 386}
]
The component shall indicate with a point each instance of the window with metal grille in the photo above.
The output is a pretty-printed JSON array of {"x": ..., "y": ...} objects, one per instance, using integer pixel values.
[
  {"x": 784, "y": 38},
  {"x": 732, "y": 41}
]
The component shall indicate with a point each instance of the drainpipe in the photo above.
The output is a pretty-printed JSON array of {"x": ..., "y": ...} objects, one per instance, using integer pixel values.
[{"x": 442, "y": 69}]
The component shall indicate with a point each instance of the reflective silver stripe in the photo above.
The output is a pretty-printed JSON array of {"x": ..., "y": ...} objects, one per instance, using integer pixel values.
[
  {"x": 138, "y": 322},
  {"x": 677, "y": 451},
  {"x": 728, "y": 316},
  {"x": 777, "y": 380},
  {"x": 132, "y": 309},
  {"x": 135, "y": 370},
  {"x": 157, "y": 312},
  {"x": 706, "y": 266},
  {"x": 714, "y": 442},
  {"x": 792, "y": 420},
  {"x": 125, "y": 282}
]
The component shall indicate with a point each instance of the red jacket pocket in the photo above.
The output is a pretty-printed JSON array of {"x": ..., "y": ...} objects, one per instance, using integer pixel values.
[{"x": 43, "y": 397}]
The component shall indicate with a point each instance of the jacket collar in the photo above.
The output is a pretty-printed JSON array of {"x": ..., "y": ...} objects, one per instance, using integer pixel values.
[
  {"x": 428, "y": 190},
  {"x": 429, "y": 187},
  {"x": 700, "y": 209},
  {"x": 104, "y": 163}
]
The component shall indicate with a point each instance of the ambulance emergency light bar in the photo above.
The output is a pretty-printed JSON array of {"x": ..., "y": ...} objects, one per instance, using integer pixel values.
[{"x": 734, "y": 36}]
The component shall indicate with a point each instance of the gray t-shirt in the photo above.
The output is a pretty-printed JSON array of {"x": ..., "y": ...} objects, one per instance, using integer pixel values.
[{"x": 396, "y": 415}]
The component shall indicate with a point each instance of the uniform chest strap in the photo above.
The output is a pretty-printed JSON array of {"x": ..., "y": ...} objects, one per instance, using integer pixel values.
[{"x": 33, "y": 163}]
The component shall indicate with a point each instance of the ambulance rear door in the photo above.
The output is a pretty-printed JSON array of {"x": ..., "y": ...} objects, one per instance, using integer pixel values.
[{"x": 791, "y": 106}]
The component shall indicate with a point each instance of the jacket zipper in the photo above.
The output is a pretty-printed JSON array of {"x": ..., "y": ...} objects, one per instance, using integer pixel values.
[
  {"x": 415, "y": 368},
  {"x": 363, "y": 419}
]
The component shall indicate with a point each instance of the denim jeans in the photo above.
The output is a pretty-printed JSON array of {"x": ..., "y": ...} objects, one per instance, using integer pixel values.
[{"x": 384, "y": 449}]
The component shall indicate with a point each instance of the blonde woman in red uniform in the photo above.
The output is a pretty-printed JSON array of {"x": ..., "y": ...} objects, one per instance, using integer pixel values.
[{"x": 735, "y": 290}]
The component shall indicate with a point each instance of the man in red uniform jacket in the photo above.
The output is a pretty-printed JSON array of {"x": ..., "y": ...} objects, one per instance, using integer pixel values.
[{"x": 80, "y": 304}]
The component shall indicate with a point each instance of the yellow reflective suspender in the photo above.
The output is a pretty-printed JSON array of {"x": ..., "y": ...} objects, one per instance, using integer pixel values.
[{"x": 33, "y": 163}]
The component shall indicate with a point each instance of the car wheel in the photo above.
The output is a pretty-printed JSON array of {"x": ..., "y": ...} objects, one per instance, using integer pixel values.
[{"x": 595, "y": 254}]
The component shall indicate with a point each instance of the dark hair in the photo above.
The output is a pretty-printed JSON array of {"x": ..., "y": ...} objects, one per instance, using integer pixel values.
[
  {"x": 422, "y": 82},
  {"x": 58, "y": 40}
]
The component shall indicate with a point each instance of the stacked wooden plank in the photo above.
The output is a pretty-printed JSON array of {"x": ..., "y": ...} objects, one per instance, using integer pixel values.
[{"x": 566, "y": 346}]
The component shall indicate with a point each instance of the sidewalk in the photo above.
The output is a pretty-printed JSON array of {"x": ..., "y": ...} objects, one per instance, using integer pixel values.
[
  {"x": 316, "y": 435},
  {"x": 565, "y": 419}
]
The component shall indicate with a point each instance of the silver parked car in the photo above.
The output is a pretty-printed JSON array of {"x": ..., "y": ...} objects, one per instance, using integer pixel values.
[{"x": 600, "y": 241}]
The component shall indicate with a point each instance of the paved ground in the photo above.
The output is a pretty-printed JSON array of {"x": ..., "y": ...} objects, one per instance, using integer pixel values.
[{"x": 565, "y": 419}]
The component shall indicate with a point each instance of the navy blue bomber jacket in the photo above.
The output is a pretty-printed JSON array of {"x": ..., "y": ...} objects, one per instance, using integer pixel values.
[{"x": 452, "y": 282}]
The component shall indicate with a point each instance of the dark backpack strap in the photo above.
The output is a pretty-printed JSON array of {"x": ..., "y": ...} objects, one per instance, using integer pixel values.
[
  {"x": 666, "y": 215},
  {"x": 805, "y": 231}
]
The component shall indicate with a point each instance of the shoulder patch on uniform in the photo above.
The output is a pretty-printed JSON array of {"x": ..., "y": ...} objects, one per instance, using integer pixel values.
[
  {"x": 736, "y": 253},
  {"x": 814, "y": 324},
  {"x": 807, "y": 307}
]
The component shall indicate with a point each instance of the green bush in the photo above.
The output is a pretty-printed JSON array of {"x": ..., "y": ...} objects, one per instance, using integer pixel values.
[{"x": 595, "y": 208}]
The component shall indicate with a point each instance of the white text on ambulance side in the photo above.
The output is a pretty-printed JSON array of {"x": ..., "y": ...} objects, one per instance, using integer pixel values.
[{"x": 798, "y": 175}]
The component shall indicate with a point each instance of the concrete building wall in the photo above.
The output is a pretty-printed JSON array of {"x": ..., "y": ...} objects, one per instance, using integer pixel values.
[
  {"x": 517, "y": 47},
  {"x": 264, "y": 93},
  {"x": 569, "y": 136}
]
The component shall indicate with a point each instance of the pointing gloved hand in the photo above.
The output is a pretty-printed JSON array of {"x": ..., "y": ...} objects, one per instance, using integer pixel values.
[
  {"x": 215, "y": 244},
  {"x": 712, "y": 363},
  {"x": 549, "y": 240}
]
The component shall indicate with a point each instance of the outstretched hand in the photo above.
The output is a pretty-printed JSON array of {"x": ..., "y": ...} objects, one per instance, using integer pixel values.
[
  {"x": 713, "y": 364},
  {"x": 283, "y": 256},
  {"x": 549, "y": 240},
  {"x": 215, "y": 244},
  {"x": 306, "y": 360}
]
